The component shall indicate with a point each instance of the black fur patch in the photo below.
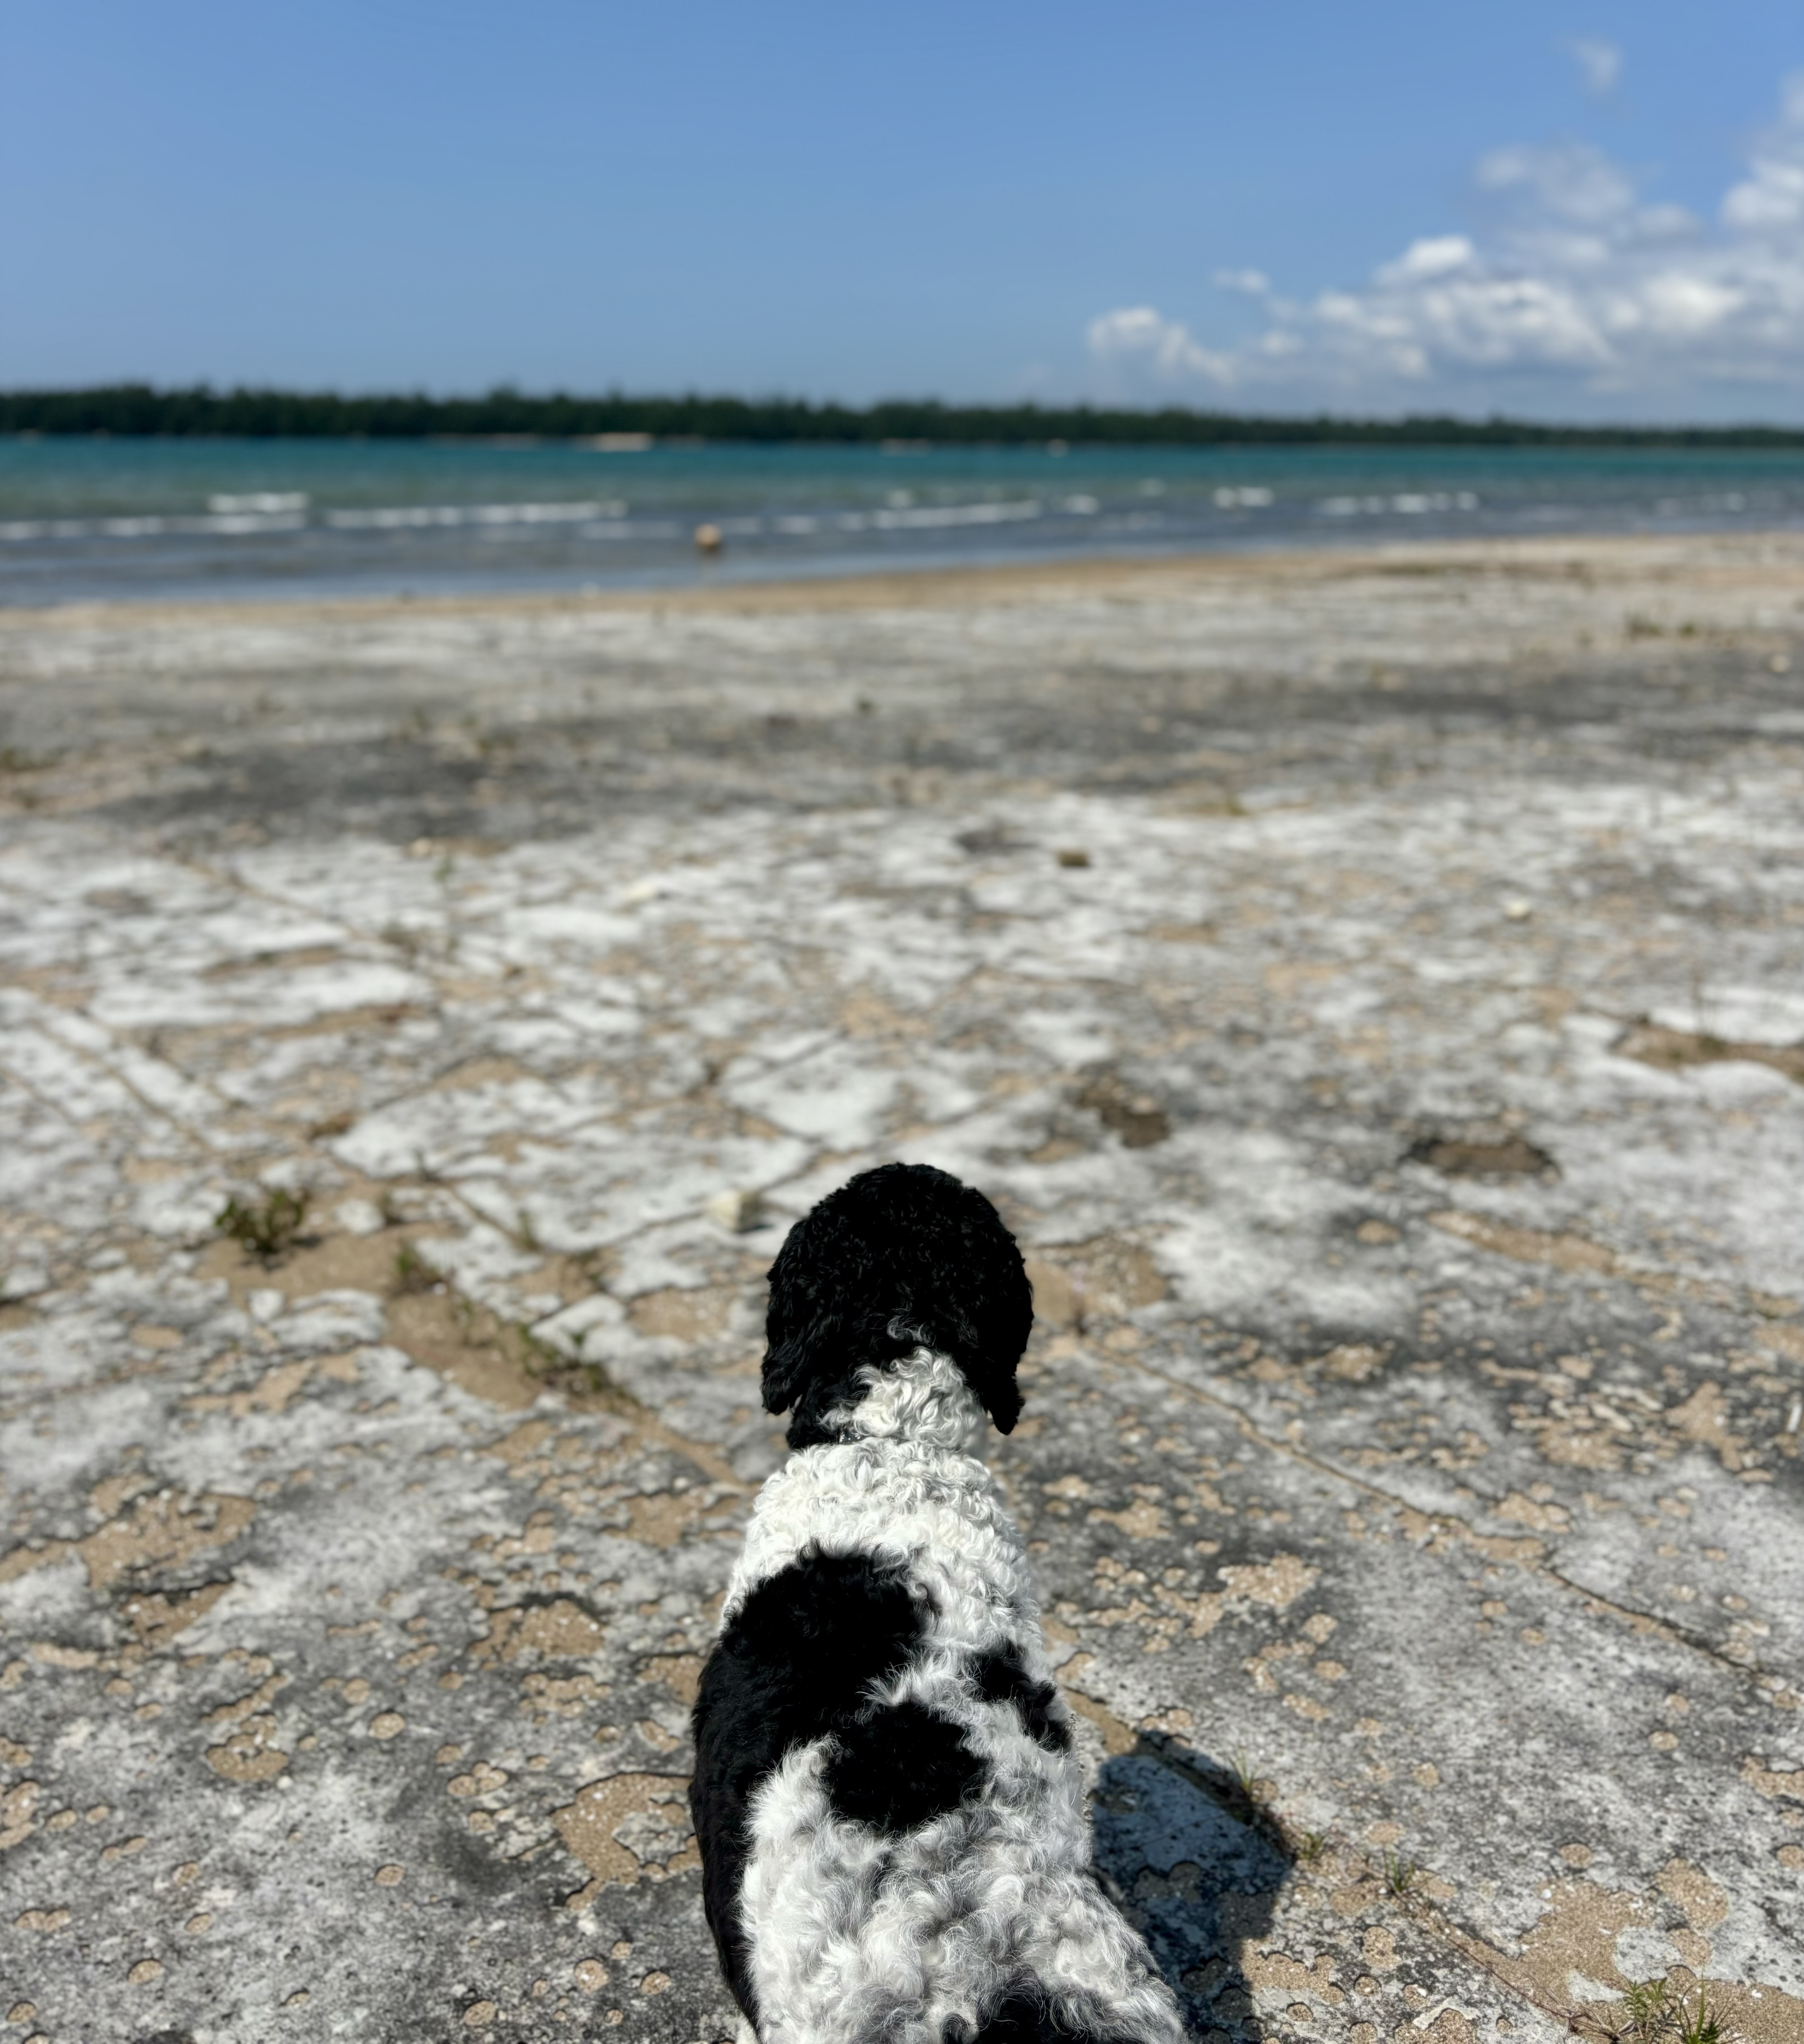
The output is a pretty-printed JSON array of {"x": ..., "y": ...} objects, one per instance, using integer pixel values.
[
  {"x": 897, "y": 1767},
  {"x": 1024, "y": 2015},
  {"x": 794, "y": 1665},
  {"x": 1002, "y": 1678},
  {"x": 898, "y": 1257}
]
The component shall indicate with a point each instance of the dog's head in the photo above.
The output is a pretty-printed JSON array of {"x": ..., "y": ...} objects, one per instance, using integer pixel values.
[{"x": 899, "y": 1258}]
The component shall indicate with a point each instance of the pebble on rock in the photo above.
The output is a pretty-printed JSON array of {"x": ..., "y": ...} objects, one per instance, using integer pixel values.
[{"x": 738, "y": 1212}]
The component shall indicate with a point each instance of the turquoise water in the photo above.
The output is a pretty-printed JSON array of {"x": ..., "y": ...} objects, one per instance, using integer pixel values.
[{"x": 81, "y": 520}]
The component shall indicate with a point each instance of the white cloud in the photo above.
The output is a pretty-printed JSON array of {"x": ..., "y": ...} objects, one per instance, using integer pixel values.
[
  {"x": 1570, "y": 181},
  {"x": 1577, "y": 282},
  {"x": 1601, "y": 63},
  {"x": 1141, "y": 340},
  {"x": 1434, "y": 257}
]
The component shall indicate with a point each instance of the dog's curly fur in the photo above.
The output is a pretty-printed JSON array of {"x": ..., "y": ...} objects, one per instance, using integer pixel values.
[{"x": 892, "y": 1822}]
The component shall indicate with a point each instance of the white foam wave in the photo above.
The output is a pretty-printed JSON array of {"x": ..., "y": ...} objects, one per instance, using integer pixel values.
[
  {"x": 152, "y": 526},
  {"x": 1408, "y": 504},
  {"x": 928, "y": 518},
  {"x": 266, "y": 500},
  {"x": 407, "y": 517},
  {"x": 250, "y": 513}
]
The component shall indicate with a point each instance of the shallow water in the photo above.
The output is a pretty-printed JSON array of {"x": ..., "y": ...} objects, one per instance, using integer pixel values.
[{"x": 82, "y": 519}]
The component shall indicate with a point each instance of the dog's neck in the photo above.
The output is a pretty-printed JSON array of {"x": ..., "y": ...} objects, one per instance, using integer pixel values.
[{"x": 922, "y": 1399}]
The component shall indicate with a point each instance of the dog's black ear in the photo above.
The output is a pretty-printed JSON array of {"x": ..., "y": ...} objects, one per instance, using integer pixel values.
[
  {"x": 902, "y": 1256},
  {"x": 993, "y": 1380},
  {"x": 799, "y": 1352}
]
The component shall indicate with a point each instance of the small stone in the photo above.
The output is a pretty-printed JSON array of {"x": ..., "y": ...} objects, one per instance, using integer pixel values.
[
  {"x": 479, "y": 2014},
  {"x": 1516, "y": 910},
  {"x": 709, "y": 540},
  {"x": 390, "y": 1876},
  {"x": 1072, "y": 854},
  {"x": 385, "y": 1724},
  {"x": 738, "y": 1212},
  {"x": 22, "y": 2012},
  {"x": 145, "y": 1973},
  {"x": 654, "y": 1983},
  {"x": 198, "y": 1924},
  {"x": 591, "y": 1976}
]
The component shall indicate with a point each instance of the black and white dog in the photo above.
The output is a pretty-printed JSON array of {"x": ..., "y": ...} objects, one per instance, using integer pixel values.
[{"x": 891, "y": 1822}]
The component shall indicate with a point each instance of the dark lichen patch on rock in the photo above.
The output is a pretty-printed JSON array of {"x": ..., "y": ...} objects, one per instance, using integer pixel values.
[
  {"x": 1673, "y": 1049},
  {"x": 1135, "y": 1116},
  {"x": 1508, "y": 1156}
]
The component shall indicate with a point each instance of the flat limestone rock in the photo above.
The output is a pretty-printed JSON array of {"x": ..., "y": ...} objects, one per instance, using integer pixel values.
[{"x": 1399, "y": 1104}]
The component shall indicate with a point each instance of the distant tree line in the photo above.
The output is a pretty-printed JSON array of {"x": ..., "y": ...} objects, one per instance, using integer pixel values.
[{"x": 138, "y": 408}]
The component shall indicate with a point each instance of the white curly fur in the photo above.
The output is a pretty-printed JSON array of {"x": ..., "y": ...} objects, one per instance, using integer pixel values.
[{"x": 997, "y": 1889}]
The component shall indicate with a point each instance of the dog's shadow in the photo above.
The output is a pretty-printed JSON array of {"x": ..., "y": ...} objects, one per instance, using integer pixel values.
[{"x": 1196, "y": 1865}]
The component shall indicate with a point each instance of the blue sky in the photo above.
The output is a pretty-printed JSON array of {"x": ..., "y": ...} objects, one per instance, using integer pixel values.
[{"x": 1573, "y": 210}]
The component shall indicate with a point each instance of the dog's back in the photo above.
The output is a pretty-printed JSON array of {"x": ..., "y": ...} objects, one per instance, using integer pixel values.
[{"x": 890, "y": 1820}]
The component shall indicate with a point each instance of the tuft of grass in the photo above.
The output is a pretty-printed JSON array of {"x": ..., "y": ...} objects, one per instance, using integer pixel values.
[
  {"x": 389, "y": 1207},
  {"x": 1246, "y": 1797},
  {"x": 1646, "y": 2012},
  {"x": 1244, "y": 1793},
  {"x": 537, "y": 1358},
  {"x": 1310, "y": 1846},
  {"x": 266, "y": 1227},
  {"x": 1400, "y": 1875},
  {"x": 1698, "y": 2025},
  {"x": 412, "y": 1271},
  {"x": 526, "y": 1236}
]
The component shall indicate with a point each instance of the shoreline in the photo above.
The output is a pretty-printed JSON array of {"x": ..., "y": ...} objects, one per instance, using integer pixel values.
[{"x": 1710, "y": 556}]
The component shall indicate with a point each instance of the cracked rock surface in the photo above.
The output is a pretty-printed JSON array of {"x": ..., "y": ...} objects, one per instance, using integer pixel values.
[{"x": 1373, "y": 987}]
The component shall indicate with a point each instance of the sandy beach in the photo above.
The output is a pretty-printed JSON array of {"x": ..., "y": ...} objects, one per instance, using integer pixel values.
[{"x": 1373, "y": 987}]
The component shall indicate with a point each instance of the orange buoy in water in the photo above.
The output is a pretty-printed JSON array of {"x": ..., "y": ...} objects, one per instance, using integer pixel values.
[{"x": 707, "y": 538}]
